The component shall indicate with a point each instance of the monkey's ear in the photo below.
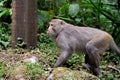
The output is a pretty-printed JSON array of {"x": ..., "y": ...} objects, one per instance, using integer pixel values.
[{"x": 62, "y": 22}]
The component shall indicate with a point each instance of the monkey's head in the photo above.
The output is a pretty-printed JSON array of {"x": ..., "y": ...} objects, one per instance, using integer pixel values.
[{"x": 55, "y": 27}]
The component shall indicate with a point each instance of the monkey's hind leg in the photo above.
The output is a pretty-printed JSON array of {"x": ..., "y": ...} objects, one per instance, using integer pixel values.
[
  {"x": 86, "y": 65},
  {"x": 93, "y": 54}
]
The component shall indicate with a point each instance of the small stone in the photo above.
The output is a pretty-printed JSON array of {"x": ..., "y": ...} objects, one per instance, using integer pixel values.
[
  {"x": 19, "y": 77},
  {"x": 32, "y": 59}
]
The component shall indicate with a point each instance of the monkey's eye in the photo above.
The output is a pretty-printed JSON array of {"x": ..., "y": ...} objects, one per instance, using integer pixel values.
[{"x": 51, "y": 24}]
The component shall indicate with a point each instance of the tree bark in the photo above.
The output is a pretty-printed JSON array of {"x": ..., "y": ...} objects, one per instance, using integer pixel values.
[{"x": 24, "y": 22}]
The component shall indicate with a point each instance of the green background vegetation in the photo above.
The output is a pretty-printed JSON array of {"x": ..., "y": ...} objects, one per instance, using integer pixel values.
[{"x": 101, "y": 14}]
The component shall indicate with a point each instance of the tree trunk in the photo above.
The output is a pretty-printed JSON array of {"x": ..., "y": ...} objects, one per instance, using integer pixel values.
[{"x": 24, "y": 22}]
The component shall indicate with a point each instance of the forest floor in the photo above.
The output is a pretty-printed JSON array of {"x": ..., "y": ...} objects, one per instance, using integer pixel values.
[{"x": 11, "y": 61}]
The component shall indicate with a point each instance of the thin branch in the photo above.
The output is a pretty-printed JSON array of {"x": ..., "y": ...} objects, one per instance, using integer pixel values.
[{"x": 114, "y": 68}]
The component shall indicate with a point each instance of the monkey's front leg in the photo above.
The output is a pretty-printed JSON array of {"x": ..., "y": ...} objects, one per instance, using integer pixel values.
[{"x": 65, "y": 54}]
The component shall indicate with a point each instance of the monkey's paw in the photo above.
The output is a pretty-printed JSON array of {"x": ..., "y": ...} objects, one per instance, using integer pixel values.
[{"x": 86, "y": 66}]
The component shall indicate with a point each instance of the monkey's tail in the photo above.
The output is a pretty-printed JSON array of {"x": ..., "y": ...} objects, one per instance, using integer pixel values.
[{"x": 114, "y": 47}]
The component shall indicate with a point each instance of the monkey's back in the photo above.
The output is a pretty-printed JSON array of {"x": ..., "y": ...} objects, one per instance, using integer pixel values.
[
  {"x": 77, "y": 37},
  {"x": 82, "y": 33}
]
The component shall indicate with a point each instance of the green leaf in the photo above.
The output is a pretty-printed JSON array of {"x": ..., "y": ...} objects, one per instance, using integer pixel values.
[
  {"x": 43, "y": 18},
  {"x": 63, "y": 10},
  {"x": 4, "y": 12},
  {"x": 5, "y": 44},
  {"x": 78, "y": 20},
  {"x": 74, "y": 10},
  {"x": 110, "y": 76}
]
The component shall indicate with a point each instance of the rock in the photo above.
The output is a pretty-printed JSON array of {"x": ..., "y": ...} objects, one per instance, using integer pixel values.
[
  {"x": 19, "y": 77},
  {"x": 62, "y": 73},
  {"x": 32, "y": 59}
]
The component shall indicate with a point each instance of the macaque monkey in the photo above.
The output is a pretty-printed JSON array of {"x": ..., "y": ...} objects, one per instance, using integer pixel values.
[{"x": 90, "y": 41}]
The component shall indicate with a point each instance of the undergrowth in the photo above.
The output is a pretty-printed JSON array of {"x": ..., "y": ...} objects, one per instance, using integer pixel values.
[{"x": 47, "y": 52}]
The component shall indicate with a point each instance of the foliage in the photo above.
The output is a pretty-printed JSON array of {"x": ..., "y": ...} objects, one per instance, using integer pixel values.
[
  {"x": 34, "y": 70},
  {"x": 26, "y": 70},
  {"x": 74, "y": 10},
  {"x": 74, "y": 61},
  {"x": 43, "y": 19},
  {"x": 102, "y": 14},
  {"x": 21, "y": 43},
  {"x": 5, "y": 28},
  {"x": 3, "y": 69},
  {"x": 44, "y": 39},
  {"x": 5, "y": 32},
  {"x": 5, "y": 10},
  {"x": 112, "y": 57}
]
